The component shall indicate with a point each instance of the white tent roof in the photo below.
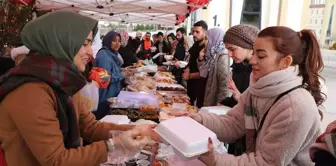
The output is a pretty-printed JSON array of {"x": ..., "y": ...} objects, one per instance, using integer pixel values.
[{"x": 129, "y": 11}]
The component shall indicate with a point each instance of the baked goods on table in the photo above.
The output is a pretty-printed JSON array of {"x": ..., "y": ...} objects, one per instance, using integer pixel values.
[
  {"x": 192, "y": 109},
  {"x": 166, "y": 74},
  {"x": 135, "y": 114},
  {"x": 149, "y": 109},
  {"x": 138, "y": 64},
  {"x": 139, "y": 88},
  {"x": 166, "y": 81},
  {"x": 170, "y": 87}
]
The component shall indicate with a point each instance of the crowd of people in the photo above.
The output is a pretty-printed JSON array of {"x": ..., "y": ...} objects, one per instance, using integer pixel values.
[{"x": 49, "y": 101}]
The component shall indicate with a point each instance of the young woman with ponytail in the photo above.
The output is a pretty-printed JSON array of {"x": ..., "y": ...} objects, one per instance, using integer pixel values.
[{"x": 278, "y": 114}]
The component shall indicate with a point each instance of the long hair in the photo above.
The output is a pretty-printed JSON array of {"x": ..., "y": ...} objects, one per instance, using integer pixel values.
[{"x": 304, "y": 49}]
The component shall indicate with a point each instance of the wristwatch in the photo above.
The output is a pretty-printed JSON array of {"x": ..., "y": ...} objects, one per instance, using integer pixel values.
[{"x": 110, "y": 145}]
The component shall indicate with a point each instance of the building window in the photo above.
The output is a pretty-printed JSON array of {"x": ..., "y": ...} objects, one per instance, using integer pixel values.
[
  {"x": 320, "y": 31},
  {"x": 316, "y": 21},
  {"x": 321, "y": 21},
  {"x": 251, "y": 13}
]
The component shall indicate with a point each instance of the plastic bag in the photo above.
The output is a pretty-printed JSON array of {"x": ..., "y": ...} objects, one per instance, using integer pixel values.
[{"x": 101, "y": 76}]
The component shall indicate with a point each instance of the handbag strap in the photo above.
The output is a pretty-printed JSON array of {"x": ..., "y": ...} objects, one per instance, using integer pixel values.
[{"x": 275, "y": 101}]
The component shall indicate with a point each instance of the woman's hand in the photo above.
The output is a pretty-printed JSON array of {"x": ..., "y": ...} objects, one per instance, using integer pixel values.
[
  {"x": 153, "y": 49},
  {"x": 134, "y": 140},
  {"x": 177, "y": 64},
  {"x": 197, "y": 117},
  {"x": 234, "y": 90},
  {"x": 147, "y": 130},
  {"x": 127, "y": 73},
  {"x": 201, "y": 57},
  {"x": 209, "y": 158}
]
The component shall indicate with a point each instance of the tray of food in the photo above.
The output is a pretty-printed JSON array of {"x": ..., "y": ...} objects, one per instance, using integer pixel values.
[
  {"x": 145, "y": 112},
  {"x": 165, "y": 74},
  {"x": 166, "y": 81},
  {"x": 169, "y": 87}
]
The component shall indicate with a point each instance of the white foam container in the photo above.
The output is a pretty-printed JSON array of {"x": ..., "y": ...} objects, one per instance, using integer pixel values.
[
  {"x": 117, "y": 119},
  {"x": 219, "y": 110},
  {"x": 183, "y": 64},
  {"x": 188, "y": 138}
]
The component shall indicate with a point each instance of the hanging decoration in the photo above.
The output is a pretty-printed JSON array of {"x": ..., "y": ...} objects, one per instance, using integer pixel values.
[
  {"x": 181, "y": 18},
  {"x": 13, "y": 17},
  {"x": 23, "y": 2}
]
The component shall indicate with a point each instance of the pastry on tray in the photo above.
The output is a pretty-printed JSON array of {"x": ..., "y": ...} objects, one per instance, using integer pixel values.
[
  {"x": 166, "y": 74},
  {"x": 149, "y": 109},
  {"x": 134, "y": 114},
  {"x": 165, "y": 81}
]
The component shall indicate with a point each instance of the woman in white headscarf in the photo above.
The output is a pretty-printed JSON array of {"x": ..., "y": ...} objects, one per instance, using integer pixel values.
[
  {"x": 126, "y": 50},
  {"x": 213, "y": 65}
]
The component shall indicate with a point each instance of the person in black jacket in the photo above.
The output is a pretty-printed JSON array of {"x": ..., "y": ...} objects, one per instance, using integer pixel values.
[
  {"x": 240, "y": 79},
  {"x": 239, "y": 42},
  {"x": 162, "y": 47},
  {"x": 128, "y": 52},
  {"x": 180, "y": 52}
]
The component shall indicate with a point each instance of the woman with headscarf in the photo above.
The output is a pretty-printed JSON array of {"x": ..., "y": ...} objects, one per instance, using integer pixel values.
[
  {"x": 41, "y": 112},
  {"x": 126, "y": 51},
  {"x": 107, "y": 58},
  {"x": 213, "y": 65}
]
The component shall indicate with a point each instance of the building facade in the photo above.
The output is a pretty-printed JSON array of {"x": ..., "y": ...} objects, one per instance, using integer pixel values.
[{"x": 316, "y": 17}]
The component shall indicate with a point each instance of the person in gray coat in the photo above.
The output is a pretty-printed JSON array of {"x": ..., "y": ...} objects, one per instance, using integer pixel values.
[{"x": 214, "y": 66}]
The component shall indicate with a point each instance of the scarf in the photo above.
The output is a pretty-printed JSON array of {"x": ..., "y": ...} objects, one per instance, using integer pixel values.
[
  {"x": 269, "y": 86},
  {"x": 215, "y": 45},
  {"x": 55, "y": 42},
  {"x": 124, "y": 37},
  {"x": 275, "y": 83},
  {"x": 326, "y": 142},
  {"x": 108, "y": 38},
  {"x": 62, "y": 76}
]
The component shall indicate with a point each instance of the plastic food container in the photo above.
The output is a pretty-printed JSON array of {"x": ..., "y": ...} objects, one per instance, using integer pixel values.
[
  {"x": 137, "y": 99},
  {"x": 188, "y": 138},
  {"x": 141, "y": 157}
]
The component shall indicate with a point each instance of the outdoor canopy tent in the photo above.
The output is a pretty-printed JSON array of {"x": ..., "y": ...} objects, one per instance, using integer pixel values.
[{"x": 166, "y": 12}]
